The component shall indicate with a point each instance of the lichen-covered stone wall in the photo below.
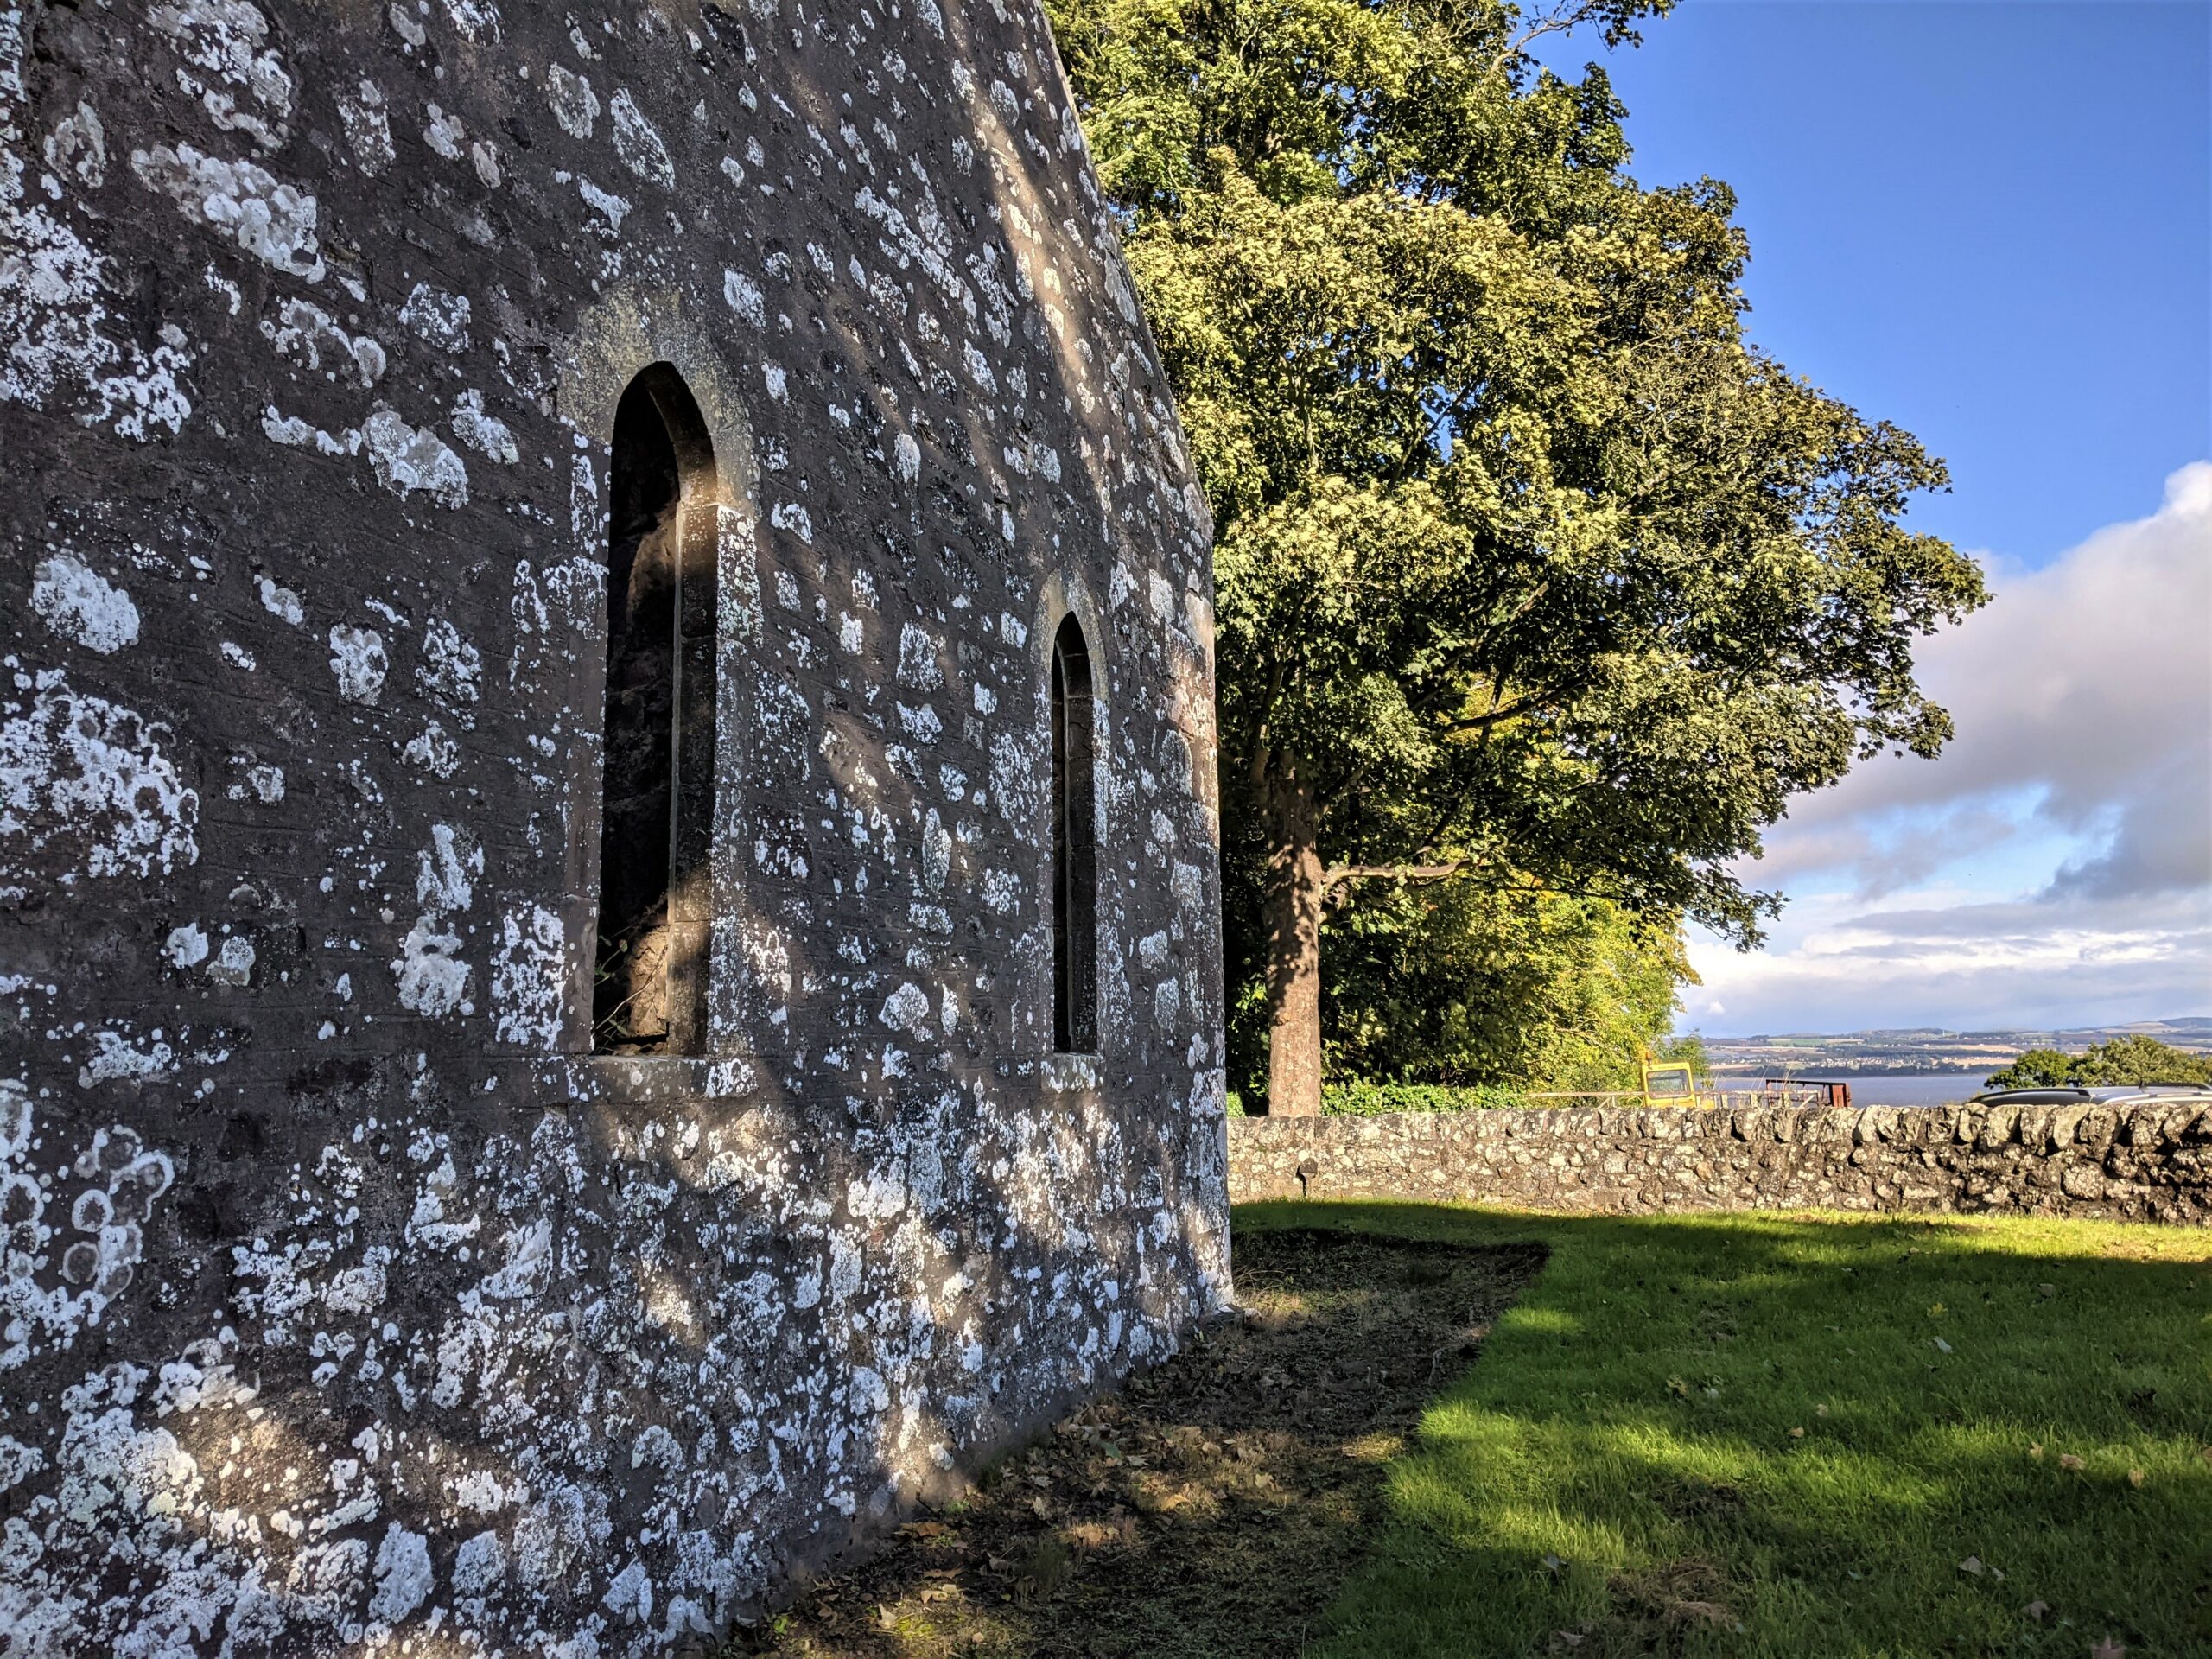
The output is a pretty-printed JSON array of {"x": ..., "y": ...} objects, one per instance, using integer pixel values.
[
  {"x": 350, "y": 1303},
  {"x": 2133, "y": 1163}
]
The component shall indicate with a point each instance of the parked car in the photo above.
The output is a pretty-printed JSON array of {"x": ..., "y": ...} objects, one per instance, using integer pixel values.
[
  {"x": 2045, "y": 1095},
  {"x": 2135, "y": 1094},
  {"x": 2126, "y": 1093}
]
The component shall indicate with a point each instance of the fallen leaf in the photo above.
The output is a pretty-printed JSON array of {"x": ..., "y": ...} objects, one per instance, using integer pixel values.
[
  {"x": 2068, "y": 1460},
  {"x": 2036, "y": 1610},
  {"x": 2035, "y": 1449},
  {"x": 2135, "y": 1477},
  {"x": 1567, "y": 1638},
  {"x": 1820, "y": 1411},
  {"x": 1935, "y": 1312},
  {"x": 1552, "y": 1564},
  {"x": 1943, "y": 1345},
  {"x": 1796, "y": 1433},
  {"x": 2048, "y": 1290},
  {"x": 2108, "y": 1649},
  {"x": 1973, "y": 1565}
]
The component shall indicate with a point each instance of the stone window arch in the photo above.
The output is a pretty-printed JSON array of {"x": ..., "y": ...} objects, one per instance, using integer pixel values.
[
  {"x": 1075, "y": 851},
  {"x": 657, "y": 774}
]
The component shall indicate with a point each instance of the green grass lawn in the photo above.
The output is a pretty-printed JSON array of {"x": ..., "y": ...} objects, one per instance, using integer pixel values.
[{"x": 1805, "y": 1435}]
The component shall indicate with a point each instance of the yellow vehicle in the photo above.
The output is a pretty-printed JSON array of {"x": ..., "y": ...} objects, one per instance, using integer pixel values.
[{"x": 1669, "y": 1084}]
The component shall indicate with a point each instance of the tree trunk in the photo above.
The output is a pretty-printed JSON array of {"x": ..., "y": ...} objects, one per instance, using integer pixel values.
[{"x": 1293, "y": 915}]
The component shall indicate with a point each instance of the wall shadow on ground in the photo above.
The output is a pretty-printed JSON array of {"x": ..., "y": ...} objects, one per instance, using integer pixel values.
[{"x": 1211, "y": 1506}]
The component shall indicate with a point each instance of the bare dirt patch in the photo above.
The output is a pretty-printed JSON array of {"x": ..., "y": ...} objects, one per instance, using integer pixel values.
[{"x": 1214, "y": 1505}]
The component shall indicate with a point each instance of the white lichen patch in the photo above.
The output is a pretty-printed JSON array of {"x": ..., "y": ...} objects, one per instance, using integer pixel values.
[
  {"x": 77, "y": 147},
  {"x": 228, "y": 64},
  {"x": 743, "y": 296},
  {"x": 432, "y": 978},
  {"x": 482, "y": 432},
  {"x": 280, "y": 602},
  {"x": 86, "y": 789},
  {"x": 448, "y": 869},
  {"x": 529, "y": 975},
  {"x": 358, "y": 659},
  {"x": 187, "y": 946},
  {"x": 438, "y": 318},
  {"x": 410, "y": 459},
  {"x": 80, "y": 605},
  {"x": 77, "y": 1231},
  {"x": 274, "y": 221},
  {"x": 574, "y": 105},
  {"x": 305, "y": 335},
  {"x": 368, "y": 127},
  {"x": 637, "y": 144},
  {"x": 56, "y": 333},
  {"x": 611, "y": 208}
]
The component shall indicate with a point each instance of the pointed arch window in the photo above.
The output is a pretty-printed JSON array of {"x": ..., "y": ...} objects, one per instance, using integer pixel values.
[
  {"x": 1075, "y": 854},
  {"x": 656, "y": 780}
]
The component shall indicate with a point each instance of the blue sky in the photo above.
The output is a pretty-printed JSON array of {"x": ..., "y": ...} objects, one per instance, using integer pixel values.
[{"x": 1990, "y": 221}]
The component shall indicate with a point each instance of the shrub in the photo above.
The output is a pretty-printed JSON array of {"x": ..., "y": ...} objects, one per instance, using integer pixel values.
[{"x": 1371, "y": 1099}]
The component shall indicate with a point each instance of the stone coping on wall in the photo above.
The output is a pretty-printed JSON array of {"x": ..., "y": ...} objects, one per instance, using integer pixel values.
[{"x": 2150, "y": 1162}]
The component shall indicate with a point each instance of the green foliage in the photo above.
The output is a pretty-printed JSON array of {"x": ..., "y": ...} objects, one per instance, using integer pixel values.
[
  {"x": 2134, "y": 1059},
  {"x": 1455, "y": 982},
  {"x": 1799, "y": 1435},
  {"x": 1688, "y": 1049},
  {"x": 1376, "y": 1099},
  {"x": 2038, "y": 1068},
  {"x": 1529, "y": 565}
]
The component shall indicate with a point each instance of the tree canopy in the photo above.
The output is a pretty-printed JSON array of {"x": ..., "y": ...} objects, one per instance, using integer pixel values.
[
  {"x": 1535, "y": 575},
  {"x": 2133, "y": 1058}
]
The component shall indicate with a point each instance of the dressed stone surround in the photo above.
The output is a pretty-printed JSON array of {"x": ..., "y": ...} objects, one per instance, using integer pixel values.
[{"x": 2141, "y": 1163}]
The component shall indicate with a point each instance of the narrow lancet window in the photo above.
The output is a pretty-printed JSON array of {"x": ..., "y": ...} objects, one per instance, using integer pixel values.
[
  {"x": 1075, "y": 857},
  {"x": 658, "y": 753}
]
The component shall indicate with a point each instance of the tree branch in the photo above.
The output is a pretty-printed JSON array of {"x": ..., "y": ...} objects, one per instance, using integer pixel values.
[{"x": 1343, "y": 873}]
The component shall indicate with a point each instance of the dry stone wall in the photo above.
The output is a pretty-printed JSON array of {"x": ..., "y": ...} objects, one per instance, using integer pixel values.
[
  {"x": 351, "y": 1303},
  {"x": 2136, "y": 1163}
]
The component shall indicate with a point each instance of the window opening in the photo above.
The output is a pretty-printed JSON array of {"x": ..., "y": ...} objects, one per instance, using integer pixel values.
[
  {"x": 1074, "y": 862},
  {"x": 658, "y": 755}
]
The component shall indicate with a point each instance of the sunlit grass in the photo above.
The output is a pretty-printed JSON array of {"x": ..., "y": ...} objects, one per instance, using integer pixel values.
[{"x": 1763, "y": 1435}]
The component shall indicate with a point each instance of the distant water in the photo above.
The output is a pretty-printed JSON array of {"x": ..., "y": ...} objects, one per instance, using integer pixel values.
[{"x": 1903, "y": 1090}]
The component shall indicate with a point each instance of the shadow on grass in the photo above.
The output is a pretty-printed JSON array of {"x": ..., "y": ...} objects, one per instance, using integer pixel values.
[
  {"x": 1215, "y": 1504},
  {"x": 1790, "y": 1434}
]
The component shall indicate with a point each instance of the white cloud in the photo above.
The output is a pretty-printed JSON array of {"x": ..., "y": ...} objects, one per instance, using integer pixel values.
[{"x": 2055, "y": 865}]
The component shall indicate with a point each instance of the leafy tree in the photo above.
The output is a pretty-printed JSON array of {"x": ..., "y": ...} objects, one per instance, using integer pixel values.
[
  {"x": 2133, "y": 1058},
  {"x": 1533, "y": 575},
  {"x": 1458, "y": 983},
  {"x": 1688, "y": 1049},
  {"x": 2038, "y": 1068}
]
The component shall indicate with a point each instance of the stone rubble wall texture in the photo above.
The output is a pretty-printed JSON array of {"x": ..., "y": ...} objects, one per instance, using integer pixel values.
[
  {"x": 350, "y": 1305},
  {"x": 2135, "y": 1163}
]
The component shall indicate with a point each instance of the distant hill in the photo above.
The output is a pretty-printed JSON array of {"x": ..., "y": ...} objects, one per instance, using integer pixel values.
[{"x": 1930, "y": 1049}]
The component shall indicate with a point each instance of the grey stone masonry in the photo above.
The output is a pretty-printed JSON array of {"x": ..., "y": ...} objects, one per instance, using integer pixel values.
[
  {"x": 2134, "y": 1163},
  {"x": 544, "y": 553}
]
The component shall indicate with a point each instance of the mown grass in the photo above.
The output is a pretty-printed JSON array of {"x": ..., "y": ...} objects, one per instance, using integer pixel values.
[{"x": 1805, "y": 1435}]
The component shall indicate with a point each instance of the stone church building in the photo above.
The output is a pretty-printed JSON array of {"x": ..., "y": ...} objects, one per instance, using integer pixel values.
[{"x": 609, "y": 958}]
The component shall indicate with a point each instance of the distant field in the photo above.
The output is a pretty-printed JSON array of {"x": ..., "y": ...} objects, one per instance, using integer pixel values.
[{"x": 1866, "y": 1054}]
